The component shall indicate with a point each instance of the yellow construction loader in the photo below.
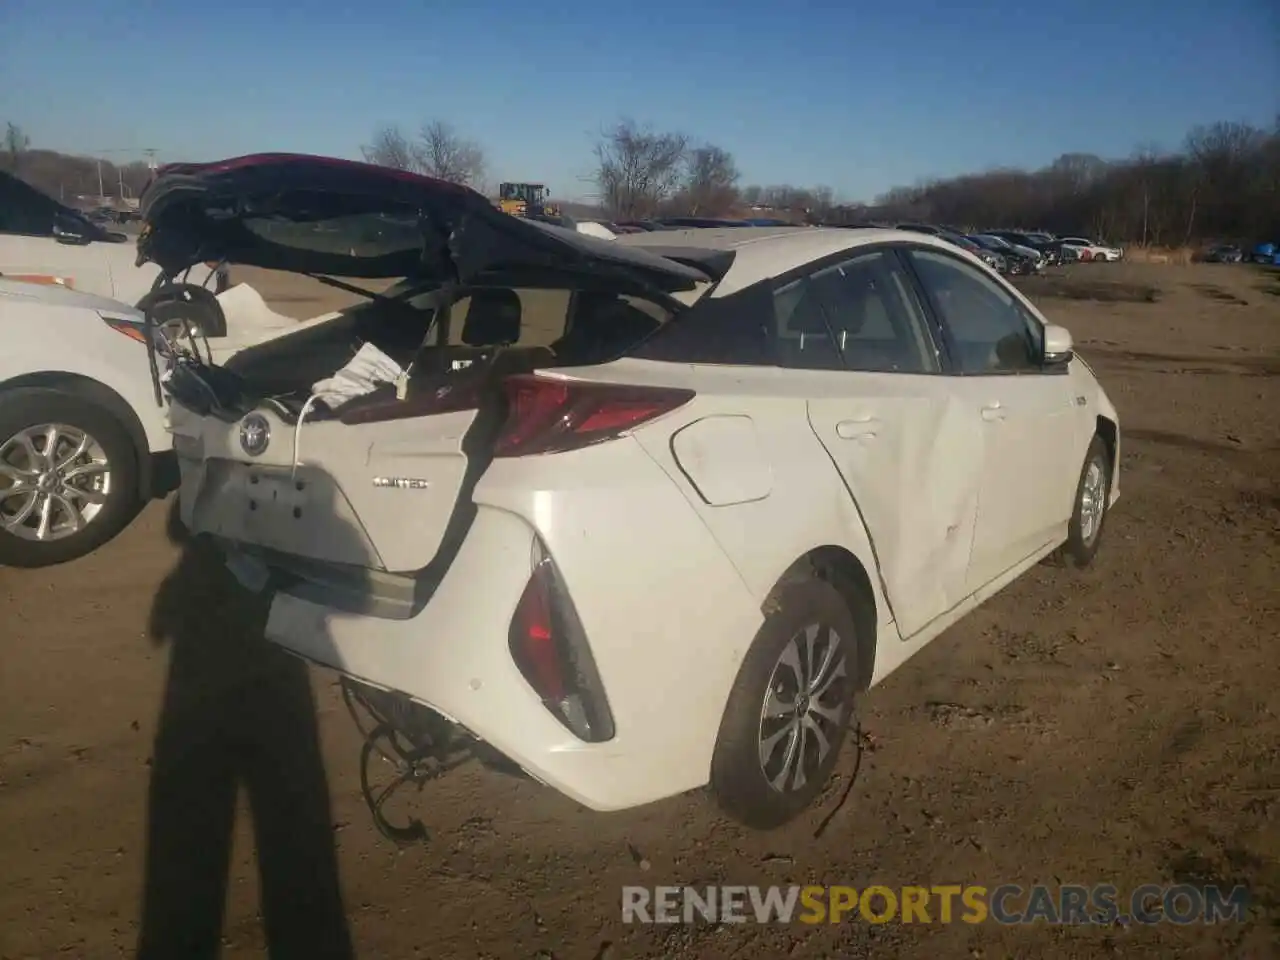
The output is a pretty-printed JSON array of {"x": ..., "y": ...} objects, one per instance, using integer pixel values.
[{"x": 525, "y": 200}]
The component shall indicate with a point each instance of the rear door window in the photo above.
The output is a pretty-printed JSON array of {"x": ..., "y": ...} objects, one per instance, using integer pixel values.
[{"x": 858, "y": 315}]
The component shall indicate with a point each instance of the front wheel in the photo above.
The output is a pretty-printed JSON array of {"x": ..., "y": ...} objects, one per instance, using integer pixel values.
[
  {"x": 790, "y": 707},
  {"x": 1088, "y": 517},
  {"x": 68, "y": 477}
]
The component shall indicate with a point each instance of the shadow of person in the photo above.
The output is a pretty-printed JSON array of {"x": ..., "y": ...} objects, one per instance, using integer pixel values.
[{"x": 238, "y": 712}]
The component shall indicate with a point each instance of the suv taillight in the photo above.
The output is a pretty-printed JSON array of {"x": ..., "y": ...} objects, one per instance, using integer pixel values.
[
  {"x": 550, "y": 649},
  {"x": 547, "y": 415}
]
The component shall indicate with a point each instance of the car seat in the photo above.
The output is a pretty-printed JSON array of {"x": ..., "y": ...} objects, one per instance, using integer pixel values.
[
  {"x": 491, "y": 330},
  {"x": 493, "y": 318},
  {"x": 813, "y": 349}
]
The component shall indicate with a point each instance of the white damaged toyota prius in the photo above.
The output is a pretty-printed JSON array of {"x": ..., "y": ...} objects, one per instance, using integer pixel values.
[{"x": 637, "y": 515}]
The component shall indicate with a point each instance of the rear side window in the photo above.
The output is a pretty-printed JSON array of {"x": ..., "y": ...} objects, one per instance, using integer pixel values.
[
  {"x": 363, "y": 234},
  {"x": 858, "y": 315},
  {"x": 737, "y": 330}
]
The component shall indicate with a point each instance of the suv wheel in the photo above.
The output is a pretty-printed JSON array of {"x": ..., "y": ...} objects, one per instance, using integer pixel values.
[
  {"x": 181, "y": 308},
  {"x": 68, "y": 477}
]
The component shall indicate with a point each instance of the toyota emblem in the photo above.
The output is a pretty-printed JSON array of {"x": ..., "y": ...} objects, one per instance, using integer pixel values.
[{"x": 255, "y": 434}]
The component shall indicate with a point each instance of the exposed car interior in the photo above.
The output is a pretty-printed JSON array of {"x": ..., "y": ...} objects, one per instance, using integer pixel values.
[{"x": 487, "y": 332}]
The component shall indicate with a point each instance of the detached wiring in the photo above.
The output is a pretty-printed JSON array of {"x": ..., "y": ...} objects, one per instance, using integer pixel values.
[
  {"x": 297, "y": 433},
  {"x": 413, "y": 763},
  {"x": 856, "y": 730}
]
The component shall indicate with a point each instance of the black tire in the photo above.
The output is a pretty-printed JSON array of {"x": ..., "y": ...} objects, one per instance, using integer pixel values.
[
  {"x": 1079, "y": 550},
  {"x": 738, "y": 777},
  {"x": 23, "y": 408},
  {"x": 186, "y": 302}
]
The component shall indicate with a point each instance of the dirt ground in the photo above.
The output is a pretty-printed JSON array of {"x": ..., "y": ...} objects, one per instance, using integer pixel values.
[{"x": 1113, "y": 726}]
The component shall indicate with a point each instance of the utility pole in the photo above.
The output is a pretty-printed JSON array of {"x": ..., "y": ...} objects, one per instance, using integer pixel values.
[{"x": 148, "y": 152}]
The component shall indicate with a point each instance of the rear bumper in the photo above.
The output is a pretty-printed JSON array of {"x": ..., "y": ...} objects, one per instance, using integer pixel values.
[{"x": 665, "y": 613}]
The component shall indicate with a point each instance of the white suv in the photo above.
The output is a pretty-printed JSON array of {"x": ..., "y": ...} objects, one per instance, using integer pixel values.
[
  {"x": 83, "y": 441},
  {"x": 640, "y": 514},
  {"x": 44, "y": 241}
]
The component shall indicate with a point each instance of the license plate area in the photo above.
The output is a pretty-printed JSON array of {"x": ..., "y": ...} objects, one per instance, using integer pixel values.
[
  {"x": 301, "y": 513},
  {"x": 276, "y": 494}
]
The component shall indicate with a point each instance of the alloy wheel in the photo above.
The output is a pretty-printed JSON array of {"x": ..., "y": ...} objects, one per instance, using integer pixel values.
[
  {"x": 803, "y": 708},
  {"x": 54, "y": 481},
  {"x": 1093, "y": 501}
]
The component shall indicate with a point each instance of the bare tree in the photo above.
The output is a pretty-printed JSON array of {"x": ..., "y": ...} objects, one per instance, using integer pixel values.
[
  {"x": 1144, "y": 164},
  {"x": 638, "y": 168},
  {"x": 442, "y": 153},
  {"x": 711, "y": 178},
  {"x": 16, "y": 143},
  {"x": 391, "y": 148},
  {"x": 822, "y": 201}
]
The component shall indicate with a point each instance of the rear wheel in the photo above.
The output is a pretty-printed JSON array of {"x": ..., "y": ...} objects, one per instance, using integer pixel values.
[
  {"x": 68, "y": 477},
  {"x": 790, "y": 707}
]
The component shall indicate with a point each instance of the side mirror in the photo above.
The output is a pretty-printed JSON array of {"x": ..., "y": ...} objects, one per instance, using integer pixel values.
[{"x": 1058, "y": 346}]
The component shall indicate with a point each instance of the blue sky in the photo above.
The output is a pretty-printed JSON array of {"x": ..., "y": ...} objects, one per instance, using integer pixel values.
[{"x": 859, "y": 96}]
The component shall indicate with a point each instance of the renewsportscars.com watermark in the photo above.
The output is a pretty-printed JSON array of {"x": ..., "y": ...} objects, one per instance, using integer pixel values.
[{"x": 1101, "y": 904}]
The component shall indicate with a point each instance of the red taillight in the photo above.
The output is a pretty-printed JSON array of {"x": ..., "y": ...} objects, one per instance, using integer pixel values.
[
  {"x": 547, "y": 415},
  {"x": 532, "y": 640},
  {"x": 549, "y": 647}
]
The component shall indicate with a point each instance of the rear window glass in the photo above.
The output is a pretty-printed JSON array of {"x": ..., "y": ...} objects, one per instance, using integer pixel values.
[{"x": 358, "y": 235}]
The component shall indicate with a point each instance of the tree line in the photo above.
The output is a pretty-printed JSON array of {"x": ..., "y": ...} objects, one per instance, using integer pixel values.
[
  {"x": 1222, "y": 183},
  {"x": 65, "y": 176}
]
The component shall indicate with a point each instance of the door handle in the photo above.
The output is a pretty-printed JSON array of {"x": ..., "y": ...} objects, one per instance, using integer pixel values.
[
  {"x": 860, "y": 428},
  {"x": 992, "y": 412}
]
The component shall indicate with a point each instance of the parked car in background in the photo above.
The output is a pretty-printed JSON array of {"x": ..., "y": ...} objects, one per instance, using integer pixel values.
[
  {"x": 699, "y": 223},
  {"x": 1093, "y": 250},
  {"x": 1266, "y": 253},
  {"x": 920, "y": 228},
  {"x": 991, "y": 258},
  {"x": 1224, "y": 253},
  {"x": 44, "y": 241},
  {"x": 645, "y": 226},
  {"x": 820, "y": 425},
  {"x": 1044, "y": 246},
  {"x": 1031, "y": 254},
  {"x": 1017, "y": 264}
]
